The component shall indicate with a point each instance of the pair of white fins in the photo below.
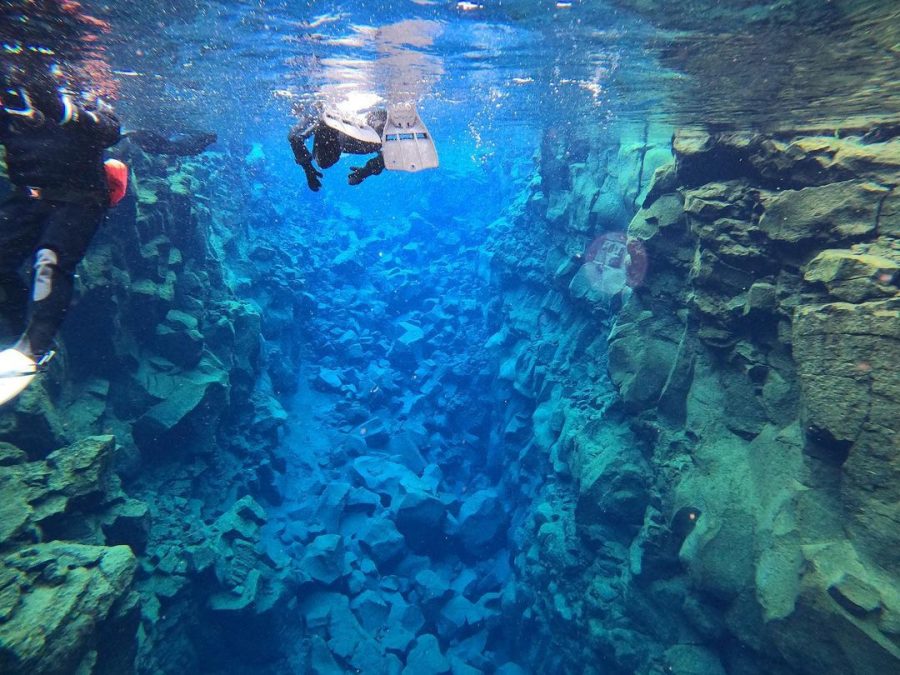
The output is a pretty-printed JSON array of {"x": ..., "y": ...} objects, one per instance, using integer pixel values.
[
  {"x": 17, "y": 370},
  {"x": 406, "y": 143}
]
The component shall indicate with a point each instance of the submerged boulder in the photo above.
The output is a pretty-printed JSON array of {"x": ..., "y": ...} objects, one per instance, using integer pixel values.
[
  {"x": 187, "y": 400},
  {"x": 179, "y": 340},
  {"x": 381, "y": 539},
  {"x": 420, "y": 517},
  {"x": 855, "y": 277},
  {"x": 328, "y": 380},
  {"x": 426, "y": 657},
  {"x": 836, "y": 212},
  {"x": 58, "y": 493},
  {"x": 324, "y": 559},
  {"x": 59, "y": 599},
  {"x": 482, "y": 522}
]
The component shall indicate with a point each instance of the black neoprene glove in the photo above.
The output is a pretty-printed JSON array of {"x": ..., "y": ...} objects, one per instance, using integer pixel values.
[
  {"x": 359, "y": 173},
  {"x": 312, "y": 177}
]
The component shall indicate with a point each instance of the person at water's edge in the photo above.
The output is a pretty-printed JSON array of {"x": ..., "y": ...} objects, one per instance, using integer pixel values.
[{"x": 329, "y": 143}]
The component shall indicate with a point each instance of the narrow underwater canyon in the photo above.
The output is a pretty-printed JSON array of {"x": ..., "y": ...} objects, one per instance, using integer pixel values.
[{"x": 438, "y": 446}]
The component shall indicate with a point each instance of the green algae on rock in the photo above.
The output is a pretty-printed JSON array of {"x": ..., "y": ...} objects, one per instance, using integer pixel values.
[
  {"x": 63, "y": 598},
  {"x": 741, "y": 389},
  {"x": 60, "y": 598},
  {"x": 775, "y": 298}
]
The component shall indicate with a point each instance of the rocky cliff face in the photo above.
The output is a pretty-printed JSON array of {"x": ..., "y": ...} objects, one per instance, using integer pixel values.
[
  {"x": 732, "y": 504},
  {"x": 66, "y": 598},
  {"x": 161, "y": 352},
  {"x": 776, "y": 416}
]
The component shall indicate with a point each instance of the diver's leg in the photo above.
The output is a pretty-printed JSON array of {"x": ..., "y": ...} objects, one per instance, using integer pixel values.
[
  {"x": 67, "y": 234},
  {"x": 185, "y": 144},
  {"x": 326, "y": 147},
  {"x": 19, "y": 232},
  {"x": 192, "y": 143},
  {"x": 149, "y": 141}
]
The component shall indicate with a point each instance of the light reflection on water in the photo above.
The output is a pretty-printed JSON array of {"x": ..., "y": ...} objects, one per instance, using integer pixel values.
[{"x": 719, "y": 64}]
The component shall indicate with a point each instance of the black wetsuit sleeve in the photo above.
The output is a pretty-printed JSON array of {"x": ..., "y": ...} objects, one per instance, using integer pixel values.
[
  {"x": 189, "y": 144},
  {"x": 149, "y": 141},
  {"x": 4, "y": 122},
  {"x": 182, "y": 145},
  {"x": 297, "y": 138},
  {"x": 375, "y": 165}
]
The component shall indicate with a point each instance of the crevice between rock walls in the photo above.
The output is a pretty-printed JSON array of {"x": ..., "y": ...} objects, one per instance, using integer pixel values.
[
  {"x": 724, "y": 499},
  {"x": 395, "y": 524}
]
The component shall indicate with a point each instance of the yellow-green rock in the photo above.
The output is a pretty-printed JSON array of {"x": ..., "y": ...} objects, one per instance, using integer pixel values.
[{"x": 854, "y": 277}]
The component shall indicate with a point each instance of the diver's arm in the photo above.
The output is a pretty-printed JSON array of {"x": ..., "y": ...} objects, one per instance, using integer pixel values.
[
  {"x": 105, "y": 127},
  {"x": 148, "y": 141},
  {"x": 102, "y": 125},
  {"x": 376, "y": 164},
  {"x": 371, "y": 168},
  {"x": 193, "y": 143},
  {"x": 182, "y": 145},
  {"x": 297, "y": 138}
]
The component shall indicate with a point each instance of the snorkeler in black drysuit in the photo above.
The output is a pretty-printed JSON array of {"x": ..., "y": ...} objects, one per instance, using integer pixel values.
[
  {"x": 60, "y": 194},
  {"x": 61, "y": 190},
  {"x": 333, "y": 135}
]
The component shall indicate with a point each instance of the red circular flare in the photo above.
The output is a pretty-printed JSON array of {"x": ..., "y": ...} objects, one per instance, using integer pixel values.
[
  {"x": 637, "y": 263},
  {"x": 616, "y": 251}
]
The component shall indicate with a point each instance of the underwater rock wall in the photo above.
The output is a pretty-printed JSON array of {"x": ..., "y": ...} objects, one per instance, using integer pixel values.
[
  {"x": 208, "y": 450},
  {"x": 758, "y": 362},
  {"x": 164, "y": 349},
  {"x": 66, "y": 598},
  {"x": 580, "y": 471},
  {"x": 730, "y": 505}
]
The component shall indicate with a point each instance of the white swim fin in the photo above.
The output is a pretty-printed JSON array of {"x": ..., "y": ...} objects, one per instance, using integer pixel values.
[
  {"x": 352, "y": 128},
  {"x": 406, "y": 144},
  {"x": 17, "y": 370}
]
